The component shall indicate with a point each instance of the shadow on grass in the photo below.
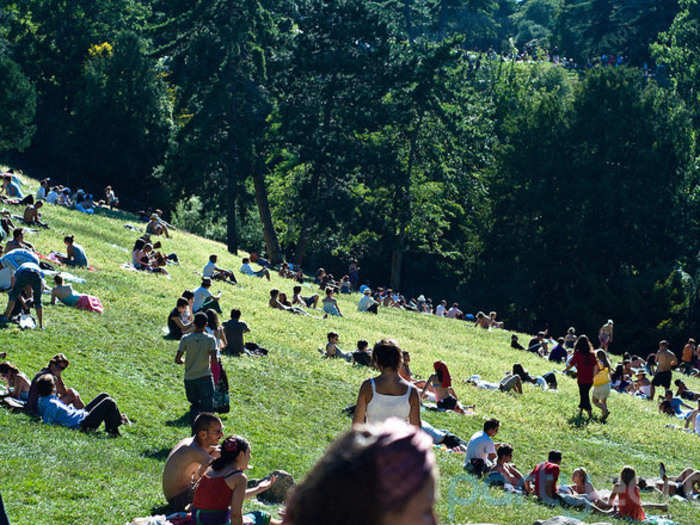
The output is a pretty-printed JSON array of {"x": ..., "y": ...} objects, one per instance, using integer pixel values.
[
  {"x": 182, "y": 421},
  {"x": 161, "y": 509},
  {"x": 158, "y": 455},
  {"x": 578, "y": 421}
]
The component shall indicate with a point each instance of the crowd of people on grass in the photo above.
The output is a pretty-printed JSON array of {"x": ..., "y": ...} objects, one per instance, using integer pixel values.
[{"x": 383, "y": 470}]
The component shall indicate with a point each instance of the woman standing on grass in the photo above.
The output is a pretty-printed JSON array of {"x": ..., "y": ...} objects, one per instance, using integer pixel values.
[
  {"x": 601, "y": 383},
  {"x": 388, "y": 395},
  {"x": 220, "y": 492},
  {"x": 584, "y": 361},
  {"x": 376, "y": 475}
]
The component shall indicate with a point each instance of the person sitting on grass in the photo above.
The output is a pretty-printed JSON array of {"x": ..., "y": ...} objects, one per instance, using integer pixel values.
[
  {"x": 626, "y": 491},
  {"x": 75, "y": 254},
  {"x": 17, "y": 382},
  {"x": 220, "y": 492},
  {"x": 43, "y": 190},
  {"x": 247, "y": 269},
  {"x": 504, "y": 471},
  {"x": 18, "y": 242},
  {"x": 330, "y": 304},
  {"x": 234, "y": 329},
  {"x": 559, "y": 354},
  {"x": 441, "y": 384},
  {"x": 542, "y": 481},
  {"x": 482, "y": 321},
  {"x": 212, "y": 271},
  {"x": 363, "y": 355},
  {"x": 514, "y": 343},
  {"x": 481, "y": 450},
  {"x": 10, "y": 187},
  {"x": 28, "y": 275},
  {"x": 111, "y": 199},
  {"x": 310, "y": 301},
  {"x": 379, "y": 475},
  {"x": 143, "y": 258},
  {"x": 176, "y": 326},
  {"x": 367, "y": 302},
  {"x": 581, "y": 492},
  {"x": 156, "y": 227},
  {"x": 101, "y": 409},
  {"x": 203, "y": 298},
  {"x": 189, "y": 459},
  {"x": 332, "y": 349},
  {"x": 387, "y": 395},
  {"x": 68, "y": 396},
  {"x": 188, "y": 315},
  {"x": 537, "y": 344},
  {"x": 66, "y": 294},
  {"x": 674, "y": 403},
  {"x": 31, "y": 215},
  {"x": 493, "y": 322},
  {"x": 275, "y": 302}
]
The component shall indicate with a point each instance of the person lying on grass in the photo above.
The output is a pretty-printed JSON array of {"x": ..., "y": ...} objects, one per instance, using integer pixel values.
[
  {"x": 274, "y": 302},
  {"x": 102, "y": 409},
  {"x": 330, "y": 304},
  {"x": 189, "y": 459},
  {"x": 75, "y": 254},
  {"x": 56, "y": 367},
  {"x": 682, "y": 390},
  {"x": 16, "y": 258},
  {"x": 66, "y": 294},
  {"x": 686, "y": 484},
  {"x": 694, "y": 419},
  {"x": 18, "y": 242},
  {"x": 481, "y": 450},
  {"x": 332, "y": 349},
  {"x": 220, "y": 492},
  {"x": 31, "y": 215},
  {"x": 441, "y": 384},
  {"x": 247, "y": 269},
  {"x": 17, "y": 382},
  {"x": 214, "y": 272},
  {"x": 363, "y": 355},
  {"x": 176, "y": 326},
  {"x": 310, "y": 301},
  {"x": 378, "y": 475},
  {"x": 581, "y": 492},
  {"x": 674, "y": 403},
  {"x": 387, "y": 395},
  {"x": 27, "y": 275}
]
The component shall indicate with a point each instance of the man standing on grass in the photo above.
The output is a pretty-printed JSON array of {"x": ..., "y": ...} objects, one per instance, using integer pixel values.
[
  {"x": 665, "y": 360},
  {"x": 198, "y": 347},
  {"x": 189, "y": 459}
]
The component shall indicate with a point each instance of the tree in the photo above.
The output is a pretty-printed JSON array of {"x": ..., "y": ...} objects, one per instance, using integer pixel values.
[{"x": 18, "y": 105}]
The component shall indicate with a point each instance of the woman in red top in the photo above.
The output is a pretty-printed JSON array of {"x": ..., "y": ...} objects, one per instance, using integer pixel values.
[
  {"x": 224, "y": 485},
  {"x": 627, "y": 491},
  {"x": 584, "y": 361}
]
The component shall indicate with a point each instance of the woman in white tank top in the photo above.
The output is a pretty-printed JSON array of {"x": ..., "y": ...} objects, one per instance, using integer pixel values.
[{"x": 388, "y": 395}]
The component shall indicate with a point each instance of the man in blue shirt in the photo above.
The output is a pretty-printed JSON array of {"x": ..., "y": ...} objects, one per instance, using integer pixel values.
[
  {"x": 101, "y": 409},
  {"x": 559, "y": 353}
]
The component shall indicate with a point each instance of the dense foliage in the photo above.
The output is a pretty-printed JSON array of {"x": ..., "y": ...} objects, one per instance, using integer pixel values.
[{"x": 441, "y": 142}]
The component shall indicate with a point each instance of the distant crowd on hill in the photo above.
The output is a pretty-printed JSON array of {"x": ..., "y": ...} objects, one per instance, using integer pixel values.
[{"x": 390, "y": 446}]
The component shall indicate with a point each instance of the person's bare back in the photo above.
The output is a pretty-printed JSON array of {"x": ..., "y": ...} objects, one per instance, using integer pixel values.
[
  {"x": 665, "y": 360},
  {"x": 186, "y": 463}
]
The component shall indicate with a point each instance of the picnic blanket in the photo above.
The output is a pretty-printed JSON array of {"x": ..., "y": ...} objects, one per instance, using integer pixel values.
[{"x": 89, "y": 303}]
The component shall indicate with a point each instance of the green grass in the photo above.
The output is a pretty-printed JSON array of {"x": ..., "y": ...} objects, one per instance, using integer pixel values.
[{"x": 288, "y": 404}]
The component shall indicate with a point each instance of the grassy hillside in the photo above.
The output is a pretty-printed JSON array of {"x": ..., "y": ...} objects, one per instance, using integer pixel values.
[{"x": 288, "y": 404}]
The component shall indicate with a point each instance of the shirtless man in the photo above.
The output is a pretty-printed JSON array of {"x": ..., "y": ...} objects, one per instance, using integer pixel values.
[
  {"x": 32, "y": 215},
  {"x": 189, "y": 459},
  {"x": 665, "y": 360},
  {"x": 506, "y": 468}
]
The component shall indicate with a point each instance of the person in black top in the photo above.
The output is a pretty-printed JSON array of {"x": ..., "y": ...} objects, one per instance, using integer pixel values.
[
  {"x": 234, "y": 330},
  {"x": 515, "y": 344},
  {"x": 176, "y": 326}
]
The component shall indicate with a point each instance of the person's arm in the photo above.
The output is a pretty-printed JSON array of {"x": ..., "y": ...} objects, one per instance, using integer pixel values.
[
  {"x": 237, "y": 483},
  {"x": 414, "y": 413},
  {"x": 261, "y": 487},
  {"x": 452, "y": 392},
  {"x": 180, "y": 353},
  {"x": 427, "y": 384},
  {"x": 246, "y": 329},
  {"x": 691, "y": 418},
  {"x": 358, "y": 417},
  {"x": 222, "y": 337},
  {"x": 613, "y": 494}
]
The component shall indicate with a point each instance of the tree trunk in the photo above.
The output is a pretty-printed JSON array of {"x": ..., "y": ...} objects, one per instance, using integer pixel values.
[
  {"x": 272, "y": 245},
  {"x": 442, "y": 20},
  {"x": 231, "y": 222},
  {"x": 396, "y": 265}
]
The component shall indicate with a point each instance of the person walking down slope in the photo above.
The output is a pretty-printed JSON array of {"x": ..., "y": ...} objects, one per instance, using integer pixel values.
[{"x": 584, "y": 361}]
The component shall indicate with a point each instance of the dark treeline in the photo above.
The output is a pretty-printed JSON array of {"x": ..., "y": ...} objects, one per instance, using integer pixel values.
[{"x": 440, "y": 142}]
